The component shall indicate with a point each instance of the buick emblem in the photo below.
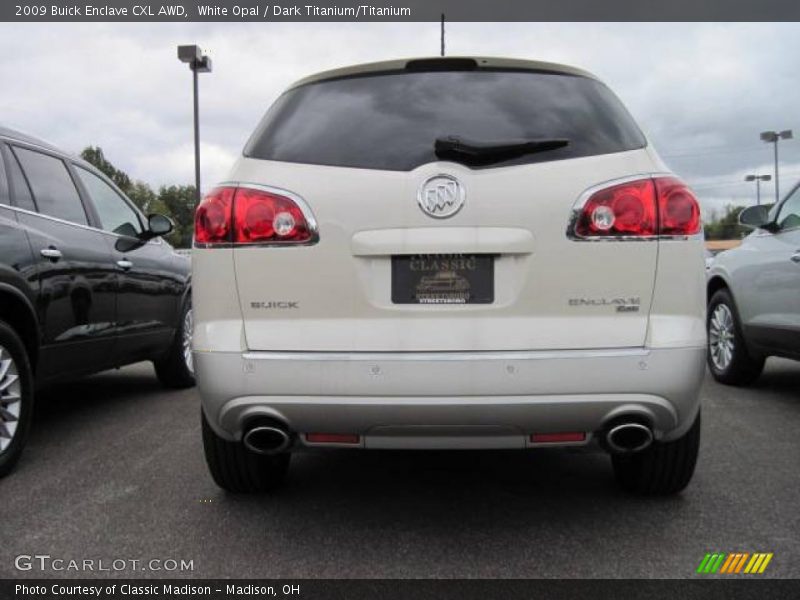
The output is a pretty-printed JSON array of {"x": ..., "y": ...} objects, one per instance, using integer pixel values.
[{"x": 441, "y": 196}]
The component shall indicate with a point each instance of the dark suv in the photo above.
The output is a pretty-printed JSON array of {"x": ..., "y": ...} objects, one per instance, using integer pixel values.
[{"x": 86, "y": 283}]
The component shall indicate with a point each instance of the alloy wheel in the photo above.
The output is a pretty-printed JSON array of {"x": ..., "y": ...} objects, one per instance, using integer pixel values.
[
  {"x": 10, "y": 399},
  {"x": 721, "y": 337},
  {"x": 188, "y": 323}
]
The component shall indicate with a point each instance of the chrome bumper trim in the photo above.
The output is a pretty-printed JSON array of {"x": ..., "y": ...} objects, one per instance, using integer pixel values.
[{"x": 446, "y": 356}]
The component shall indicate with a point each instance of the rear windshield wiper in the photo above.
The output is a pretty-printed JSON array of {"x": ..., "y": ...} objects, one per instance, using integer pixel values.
[{"x": 483, "y": 153}]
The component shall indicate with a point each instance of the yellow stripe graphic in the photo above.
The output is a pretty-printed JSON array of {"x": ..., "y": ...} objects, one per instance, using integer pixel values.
[
  {"x": 764, "y": 564},
  {"x": 754, "y": 563},
  {"x": 751, "y": 563}
]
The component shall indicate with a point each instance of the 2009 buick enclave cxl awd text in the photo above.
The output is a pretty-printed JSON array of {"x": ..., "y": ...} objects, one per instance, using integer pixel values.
[{"x": 459, "y": 253}]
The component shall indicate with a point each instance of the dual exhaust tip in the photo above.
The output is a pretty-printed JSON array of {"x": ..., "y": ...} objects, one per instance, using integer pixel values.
[
  {"x": 628, "y": 436},
  {"x": 267, "y": 439}
]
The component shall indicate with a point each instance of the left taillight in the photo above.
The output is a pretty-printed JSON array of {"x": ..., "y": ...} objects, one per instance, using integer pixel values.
[
  {"x": 647, "y": 207},
  {"x": 244, "y": 215},
  {"x": 212, "y": 219}
]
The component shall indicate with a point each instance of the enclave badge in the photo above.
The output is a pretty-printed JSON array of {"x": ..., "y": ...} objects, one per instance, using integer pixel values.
[{"x": 441, "y": 196}]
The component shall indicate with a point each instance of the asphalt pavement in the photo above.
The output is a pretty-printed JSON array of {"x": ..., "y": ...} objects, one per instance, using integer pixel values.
[{"x": 114, "y": 471}]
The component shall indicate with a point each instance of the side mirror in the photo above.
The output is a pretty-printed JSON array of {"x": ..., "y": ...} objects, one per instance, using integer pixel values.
[
  {"x": 158, "y": 225},
  {"x": 755, "y": 216}
]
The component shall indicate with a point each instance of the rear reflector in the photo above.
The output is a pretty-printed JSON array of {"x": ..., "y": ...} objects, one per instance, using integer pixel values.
[
  {"x": 243, "y": 215},
  {"x": 646, "y": 207},
  {"x": 332, "y": 438},
  {"x": 558, "y": 438}
]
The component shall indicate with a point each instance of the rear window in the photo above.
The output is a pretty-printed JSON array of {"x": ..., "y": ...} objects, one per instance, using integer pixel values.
[{"x": 391, "y": 121}]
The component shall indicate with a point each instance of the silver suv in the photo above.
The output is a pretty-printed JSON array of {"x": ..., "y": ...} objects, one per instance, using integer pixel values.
[
  {"x": 754, "y": 294},
  {"x": 462, "y": 253}
]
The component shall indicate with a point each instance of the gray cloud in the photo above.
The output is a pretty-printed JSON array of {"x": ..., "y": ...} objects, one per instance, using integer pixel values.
[{"x": 703, "y": 92}]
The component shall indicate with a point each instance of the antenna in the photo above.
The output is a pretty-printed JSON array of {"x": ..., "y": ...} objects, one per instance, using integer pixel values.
[{"x": 442, "y": 34}]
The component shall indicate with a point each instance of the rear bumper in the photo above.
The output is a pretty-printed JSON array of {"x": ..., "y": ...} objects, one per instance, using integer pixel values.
[{"x": 451, "y": 400}]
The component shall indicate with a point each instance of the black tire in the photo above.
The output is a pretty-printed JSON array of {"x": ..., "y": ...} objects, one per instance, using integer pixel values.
[
  {"x": 743, "y": 368},
  {"x": 237, "y": 469},
  {"x": 172, "y": 369},
  {"x": 20, "y": 386},
  {"x": 663, "y": 468}
]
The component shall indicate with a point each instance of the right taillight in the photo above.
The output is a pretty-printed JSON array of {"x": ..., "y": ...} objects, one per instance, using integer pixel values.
[
  {"x": 678, "y": 209},
  {"x": 247, "y": 215},
  {"x": 648, "y": 207}
]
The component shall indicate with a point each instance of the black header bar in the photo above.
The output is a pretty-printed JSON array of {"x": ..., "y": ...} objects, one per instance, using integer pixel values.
[
  {"x": 399, "y": 10},
  {"x": 733, "y": 588}
]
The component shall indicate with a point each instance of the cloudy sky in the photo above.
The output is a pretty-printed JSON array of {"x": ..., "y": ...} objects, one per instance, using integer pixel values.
[{"x": 703, "y": 92}]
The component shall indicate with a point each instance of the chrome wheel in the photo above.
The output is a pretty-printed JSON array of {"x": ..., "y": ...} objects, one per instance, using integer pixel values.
[
  {"x": 10, "y": 399},
  {"x": 188, "y": 323},
  {"x": 721, "y": 337}
]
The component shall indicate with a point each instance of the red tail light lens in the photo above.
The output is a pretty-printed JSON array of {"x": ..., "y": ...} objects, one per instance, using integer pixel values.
[
  {"x": 265, "y": 217},
  {"x": 641, "y": 208},
  {"x": 678, "y": 209},
  {"x": 627, "y": 209},
  {"x": 212, "y": 220},
  {"x": 250, "y": 216}
]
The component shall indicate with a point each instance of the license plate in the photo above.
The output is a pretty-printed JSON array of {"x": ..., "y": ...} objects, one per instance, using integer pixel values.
[{"x": 443, "y": 279}]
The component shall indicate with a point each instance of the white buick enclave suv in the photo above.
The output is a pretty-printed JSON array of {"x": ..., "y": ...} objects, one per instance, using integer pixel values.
[{"x": 464, "y": 253}]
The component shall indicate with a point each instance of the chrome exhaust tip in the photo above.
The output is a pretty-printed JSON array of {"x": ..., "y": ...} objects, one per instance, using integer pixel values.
[
  {"x": 629, "y": 437},
  {"x": 266, "y": 439}
]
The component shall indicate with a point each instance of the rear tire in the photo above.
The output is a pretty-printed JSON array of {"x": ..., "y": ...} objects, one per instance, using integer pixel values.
[
  {"x": 663, "y": 468},
  {"x": 729, "y": 360},
  {"x": 176, "y": 368},
  {"x": 237, "y": 469},
  {"x": 16, "y": 398}
]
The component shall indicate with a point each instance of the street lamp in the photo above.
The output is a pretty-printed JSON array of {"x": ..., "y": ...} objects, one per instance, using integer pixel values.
[
  {"x": 198, "y": 63},
  {"x": 758, "y": 179},
  {"x": 772, "y": 137}
]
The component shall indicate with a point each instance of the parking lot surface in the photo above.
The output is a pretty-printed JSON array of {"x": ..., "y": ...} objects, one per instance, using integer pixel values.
[{"x": 115, "y": 470}]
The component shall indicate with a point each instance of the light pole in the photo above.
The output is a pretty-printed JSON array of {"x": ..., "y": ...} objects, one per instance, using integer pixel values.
[
  {"x": 758, "y": 179},
  {"x": 198, "y": 63},
  {"x": 772, "y": 137}
]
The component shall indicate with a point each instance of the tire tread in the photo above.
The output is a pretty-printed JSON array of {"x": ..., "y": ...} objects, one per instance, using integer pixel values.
[
  {"x": 171, "y": 368},
  {"x": 236, "y": 469},
  {"x": 662, "y": 469}
]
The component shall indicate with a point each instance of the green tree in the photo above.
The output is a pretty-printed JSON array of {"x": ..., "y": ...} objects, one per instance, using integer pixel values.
[
  {"x": 143, "y": 196},
  {"x": 179, "y": 202},
  {"x": 94, "y": 155},
  {"x": 726, "y": 226}
]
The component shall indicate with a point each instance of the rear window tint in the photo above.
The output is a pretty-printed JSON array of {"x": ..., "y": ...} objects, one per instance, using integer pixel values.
[
  {"x": 391, "y": 121},
  {"x": 52, "y": 186},
  {"x": 21, "y": 192}
]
